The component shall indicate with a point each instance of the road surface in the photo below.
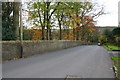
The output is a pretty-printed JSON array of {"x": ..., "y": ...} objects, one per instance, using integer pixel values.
[{"x": 89, "y": 61}]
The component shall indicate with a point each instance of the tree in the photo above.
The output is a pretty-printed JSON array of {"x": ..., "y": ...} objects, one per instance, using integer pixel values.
[
  {"x": 108, "y": 35},
  {"x": 7, "y": 21},
  {"x": 77, "y": 13},
  {"x": 116, "y": 34},
  {"x": 10, "y": 20},
  {"x": 116, "y": 31},
  {"x": 103, "y": 39},
  {"x": 41, "y": 14},
  {"x": 70, "y": 15},
  {"x": 37, "y": 15},
  {"x": 59, "y": 15},
  {"x": 16, "y": 14}
]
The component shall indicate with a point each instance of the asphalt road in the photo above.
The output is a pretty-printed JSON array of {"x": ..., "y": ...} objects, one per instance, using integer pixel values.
[{"x": 90, "y": 61}]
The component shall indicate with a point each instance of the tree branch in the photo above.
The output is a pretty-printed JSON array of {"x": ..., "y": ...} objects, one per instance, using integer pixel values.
[{"x": 53, "y": 11}]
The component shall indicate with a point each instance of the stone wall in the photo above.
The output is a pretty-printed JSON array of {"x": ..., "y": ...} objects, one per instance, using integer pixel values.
[{"x": 12, "y": 49}]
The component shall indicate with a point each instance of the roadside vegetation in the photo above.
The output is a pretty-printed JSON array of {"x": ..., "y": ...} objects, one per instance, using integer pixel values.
[
  {"x": 111, "y": 47},
  {"x": 110, "y": 40},
  {"x": 116, "y": 60}
]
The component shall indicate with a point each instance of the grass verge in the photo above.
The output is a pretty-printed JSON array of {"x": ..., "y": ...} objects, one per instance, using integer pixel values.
[
  {"x": 116, "y": 62},
  {"x": 110, "y": 47}
]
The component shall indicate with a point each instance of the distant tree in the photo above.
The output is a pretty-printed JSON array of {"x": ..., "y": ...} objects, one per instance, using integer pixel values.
[
  {"x": 116, "y": 34},
  {"x": 116, "y": 31},
  {"x": 103, "y": 39},
  {"x": 27, "y": 33},
  {"x": 108, "y": 35}
]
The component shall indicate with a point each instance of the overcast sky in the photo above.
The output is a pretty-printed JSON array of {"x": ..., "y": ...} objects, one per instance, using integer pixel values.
[{"x": 111, "y": 7}]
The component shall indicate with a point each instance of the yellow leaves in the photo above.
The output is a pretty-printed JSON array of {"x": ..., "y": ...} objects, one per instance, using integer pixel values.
[
  {"x": 90, "y": 29},
  {"x": 69, "y": 36},
  {"x": 29, "y": 18},
  {"x": 34, "y": 27},
  {"x": 74, "y": 22},
  {"x": 77, "y": 20},
  {"x": 67, "y": 23},
  {"x": 103, "y": 38},
  {"x": 37, "y": 34},
  {"x": 88, "y": 21}
]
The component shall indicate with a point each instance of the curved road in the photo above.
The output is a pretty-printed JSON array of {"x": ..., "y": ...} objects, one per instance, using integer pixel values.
[{"x": 90, "y": 61}]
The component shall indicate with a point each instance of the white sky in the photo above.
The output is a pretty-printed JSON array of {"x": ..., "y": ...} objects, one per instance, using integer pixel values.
[{"x": 111, "y": 7}]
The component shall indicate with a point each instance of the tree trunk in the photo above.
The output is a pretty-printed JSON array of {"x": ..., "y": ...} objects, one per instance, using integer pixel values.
[
  {"x": 68, "y": 33},
  {"x": 77, "y": 37},
  {"x": 48, "y": 31},
  {"x": 60, "y": 33},
  {"x": 77, "y": 34},
  {"x": 74, "y": 33},
  {"x": 60, "y": 37},
  {"x": 42, "y": 32},
  {"x": 43, "y": 27},
  {"x": 21, "y": 31},
  {"x": 47, "y": 18},
  {"x": 50, "y": 34},
  {"x": 16, "y": 9}
]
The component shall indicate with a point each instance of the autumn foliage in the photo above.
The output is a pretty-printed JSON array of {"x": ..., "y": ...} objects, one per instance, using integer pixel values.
[
  {"x": 37, "y": 34},
  {"x": 88, "y": 27}
]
